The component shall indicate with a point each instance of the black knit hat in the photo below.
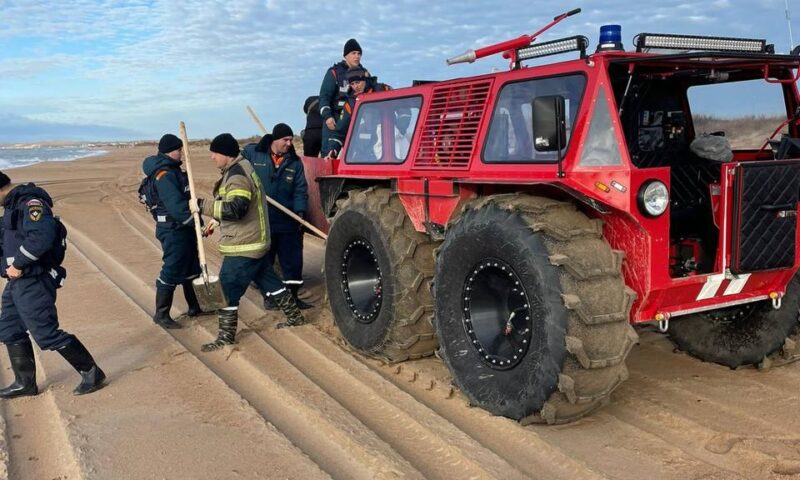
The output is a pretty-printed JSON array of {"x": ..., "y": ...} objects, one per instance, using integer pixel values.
[
  {"x": 281, "y": 130},
  {"x": 169, "y": 143},
  {"x": 355, "y": 74},
  {"x": 225, "y": 144},
  {"x": 4, "y": 180},
  {"x": 352, "y": 46}
]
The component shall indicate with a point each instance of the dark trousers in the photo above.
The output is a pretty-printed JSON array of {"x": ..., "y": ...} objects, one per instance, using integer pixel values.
[
  {"x": 326, "y": 134},
  {"x": 180, "y": 261},
  {"x": 312, "y": 141},
  {"x": 288, "y": 247},
  {"x": 237, "y": 272},
  {"x": 29, "y": 305}
]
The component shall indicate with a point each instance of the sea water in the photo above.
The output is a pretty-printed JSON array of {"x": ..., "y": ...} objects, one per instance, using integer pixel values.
[{"x": 20, "y": 156}]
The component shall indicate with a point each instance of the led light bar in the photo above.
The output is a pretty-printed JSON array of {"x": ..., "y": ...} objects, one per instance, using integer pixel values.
[
  {"x": 577, "y": 43},
  {"x": 690, "y": 42}
]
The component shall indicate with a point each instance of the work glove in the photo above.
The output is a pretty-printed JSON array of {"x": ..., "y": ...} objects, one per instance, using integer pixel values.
[{"x": 196, "y": 205}]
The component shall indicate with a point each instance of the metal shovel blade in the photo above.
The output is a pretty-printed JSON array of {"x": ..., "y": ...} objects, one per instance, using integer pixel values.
[{"x": 210, "y": 295}]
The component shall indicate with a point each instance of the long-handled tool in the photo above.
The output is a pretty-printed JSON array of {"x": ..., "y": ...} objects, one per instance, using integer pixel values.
[
  {"x": 274, "y": 202},
  {"x": 207, "y": 288}
]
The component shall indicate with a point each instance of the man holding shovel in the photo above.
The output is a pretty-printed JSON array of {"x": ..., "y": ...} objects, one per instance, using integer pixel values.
[
  {"x": 283, "y": 178},
  {"x": 240, "y": 207},
  {"x": 165, "y": 191}
]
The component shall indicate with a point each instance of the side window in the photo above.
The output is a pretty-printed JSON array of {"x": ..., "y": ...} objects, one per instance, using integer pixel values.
[
  {"x": 747, "y": 112},
  {"x": 383, "y": 131},
  {"x": 601, "y": 144},
  {"x": 510, "y": 137}
]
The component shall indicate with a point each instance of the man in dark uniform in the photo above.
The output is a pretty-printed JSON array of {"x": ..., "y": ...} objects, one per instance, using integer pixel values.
[
  {"x": 284, "y": 180},
  {"x": 312, "y": 134},
  {"x": 34, "y": 243},
  {"x": 333, "y": 92},
  {"x": 174, "y": 229}
]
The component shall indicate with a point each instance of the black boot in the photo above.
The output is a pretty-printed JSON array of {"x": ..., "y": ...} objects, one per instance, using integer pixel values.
[
  {"x": 294, "y": 317},
  {"x": 269, "y": 303},
  {"x": 163, "y": 306},
  {"x": 24, "y": 367},
  {"x": 300, "y": 304},
  {"x": 228, "y": 320},
  {"x": 191, "y": 300},
  {"x": 92, "y": 377}
]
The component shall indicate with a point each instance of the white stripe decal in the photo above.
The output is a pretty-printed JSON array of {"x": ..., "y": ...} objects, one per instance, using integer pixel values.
[
  {"x": 28, "y": 254},
  {"x": 737, "y": 284},
  {"x": 276, "y": 292},
  {"x": 293, "y": 282},
  {"x": 711, "y": 286},
  {"x": 188, "y": 220}
]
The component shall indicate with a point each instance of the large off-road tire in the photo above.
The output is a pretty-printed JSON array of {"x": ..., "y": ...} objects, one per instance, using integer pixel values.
[
  {"x": 378, "y": 271},
  {"x": 563, "y": 352},
  {"x": 740, "y": 335}
]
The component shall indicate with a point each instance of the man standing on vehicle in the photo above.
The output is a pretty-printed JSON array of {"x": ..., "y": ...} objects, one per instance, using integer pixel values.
[
  {"x": 166, "y": 193},
  {"x": 33, "y": 248},
  {"x": 333, "y": 92},
  {"x": 312, "y": 134},
  {"x": 283, "y": 178},
  {"x": 357, "y": 81},
  {"x": 240, "y": 207}
]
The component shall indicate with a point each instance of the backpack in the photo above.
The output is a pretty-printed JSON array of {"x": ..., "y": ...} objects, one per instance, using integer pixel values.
[
  {"x": 59, "y": 250},
  {"x": 148, "y": 194}
]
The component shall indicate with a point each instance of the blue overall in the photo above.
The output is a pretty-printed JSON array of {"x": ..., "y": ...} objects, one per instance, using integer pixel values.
[
  {"x": 30, "y": 236},
  {"x": 286, "y": 185},
  {"x": 174, "y": 223}
]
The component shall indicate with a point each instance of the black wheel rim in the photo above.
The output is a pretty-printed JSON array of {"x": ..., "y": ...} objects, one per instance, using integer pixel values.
[
  {"x": 361, "y": 280},
  {"x": 497, "y": 314}
]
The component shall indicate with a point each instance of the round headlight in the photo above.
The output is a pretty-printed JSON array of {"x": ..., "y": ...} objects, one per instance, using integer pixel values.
[{"x": 653, "y": 198}]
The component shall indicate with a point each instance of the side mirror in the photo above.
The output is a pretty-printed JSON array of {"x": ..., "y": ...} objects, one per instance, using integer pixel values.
[{"x": 549, "y": 123}]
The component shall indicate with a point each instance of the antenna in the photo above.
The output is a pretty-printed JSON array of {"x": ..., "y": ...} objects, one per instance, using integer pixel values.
[{"x": 789, "y": 23}]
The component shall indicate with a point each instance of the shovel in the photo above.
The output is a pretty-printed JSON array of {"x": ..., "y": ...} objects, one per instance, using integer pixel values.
[{"x": 207, "y": 288}]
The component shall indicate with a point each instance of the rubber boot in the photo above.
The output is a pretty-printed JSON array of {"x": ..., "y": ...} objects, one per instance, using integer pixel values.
[
  {"x": 92, "y": 377},
  {"x": 286, "y": 303},
  {"x": 191, "y": 300},
  {"x": 24, "y": 367},
  {"x": 300, "y": 303},
  {"x": 228, "y": 321},
  {"x": 269, "y": 303},
  {"x": 163, "y": 306}
]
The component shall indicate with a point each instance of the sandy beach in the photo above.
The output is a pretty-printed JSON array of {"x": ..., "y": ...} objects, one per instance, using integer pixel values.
[{"x": 296, "y": 403}]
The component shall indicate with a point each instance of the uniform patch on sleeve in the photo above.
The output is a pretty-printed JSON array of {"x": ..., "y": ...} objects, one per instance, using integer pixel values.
[
  {"x": 160, "y": 174},
  {"x": 35, "y": 209}
]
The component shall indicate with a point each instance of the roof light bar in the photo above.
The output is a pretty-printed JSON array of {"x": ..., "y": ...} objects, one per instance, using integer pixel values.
[
  {"x": 692, "y": 42},
  {"x": 554, "y": 47}
]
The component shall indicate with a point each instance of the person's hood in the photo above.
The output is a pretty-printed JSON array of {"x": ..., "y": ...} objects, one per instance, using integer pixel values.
[
  {"x": 156, "y": 162},
  {"x": 24, "y": 192}
]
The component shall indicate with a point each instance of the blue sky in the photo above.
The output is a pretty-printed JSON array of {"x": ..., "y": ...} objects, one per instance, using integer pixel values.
[{"x": 134, "y": 69}]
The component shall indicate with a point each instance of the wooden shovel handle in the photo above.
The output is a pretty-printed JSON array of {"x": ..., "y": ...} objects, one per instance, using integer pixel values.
[{"x": 201, "y": 252}]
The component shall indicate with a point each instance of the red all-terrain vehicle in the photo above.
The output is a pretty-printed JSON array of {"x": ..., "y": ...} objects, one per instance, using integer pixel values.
[{"x": 521, "y": 222}]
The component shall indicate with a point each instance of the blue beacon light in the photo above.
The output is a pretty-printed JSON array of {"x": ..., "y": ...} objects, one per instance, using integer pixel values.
[{"x": 610, "y": 38}]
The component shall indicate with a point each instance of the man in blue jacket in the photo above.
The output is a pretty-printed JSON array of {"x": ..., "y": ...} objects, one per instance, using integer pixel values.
[
  {"x": 281, "y": 172},
  {"x": 169, "y": 205},
  {"x": 33, "y": 248},
  {"x": 333, "y": 92}
]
